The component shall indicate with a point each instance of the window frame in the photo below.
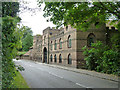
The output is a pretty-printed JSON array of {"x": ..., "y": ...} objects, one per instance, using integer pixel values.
[
  {"x": 89, "y": 41},
  {"x": 55, "y": 58},
  {"x": 69, "y": 42},
  {"x": 60, "y": 58},
  {"x": 60, "y": 43},
  {"x": 69, "y": 59}
]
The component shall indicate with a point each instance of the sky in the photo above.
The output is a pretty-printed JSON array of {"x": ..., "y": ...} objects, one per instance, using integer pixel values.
[{"x": 36, "y": 21}]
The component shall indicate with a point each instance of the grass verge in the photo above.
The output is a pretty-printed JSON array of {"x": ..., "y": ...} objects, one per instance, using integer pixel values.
[{"x": 19, "y": 81}]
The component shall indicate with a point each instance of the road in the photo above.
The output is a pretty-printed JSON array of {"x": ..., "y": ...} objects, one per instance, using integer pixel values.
[{"x": 39, "y": 75}]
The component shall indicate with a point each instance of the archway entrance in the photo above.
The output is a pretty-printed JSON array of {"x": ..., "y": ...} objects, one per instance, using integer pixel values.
[{"x": 45, "y": 55}]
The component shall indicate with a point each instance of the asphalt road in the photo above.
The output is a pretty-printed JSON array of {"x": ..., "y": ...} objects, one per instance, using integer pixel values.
[{"x": 39, "y": 75}]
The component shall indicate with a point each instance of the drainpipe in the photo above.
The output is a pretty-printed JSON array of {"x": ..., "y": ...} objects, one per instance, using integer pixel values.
[{"x": 48, "y": 48}]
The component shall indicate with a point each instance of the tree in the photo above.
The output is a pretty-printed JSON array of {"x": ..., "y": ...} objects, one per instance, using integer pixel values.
[
  {"x": 27, "y": 42},
  {"x": 102, "y": 60},
  {"x": 11, "y": 40},
  {"x": 81, "y": 14},
  {"x": 27, "y": 39}
]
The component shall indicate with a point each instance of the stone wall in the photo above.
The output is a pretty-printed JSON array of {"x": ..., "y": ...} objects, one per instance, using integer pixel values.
[{"x": 42, "y": 44}]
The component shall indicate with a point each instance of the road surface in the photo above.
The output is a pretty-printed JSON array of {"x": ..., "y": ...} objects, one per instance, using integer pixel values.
[{"x": 39, "y": 75}]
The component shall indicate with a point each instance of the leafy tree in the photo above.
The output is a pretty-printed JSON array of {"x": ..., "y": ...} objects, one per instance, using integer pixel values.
[
  {"x": 11, "y": 40},
  {"x": 81, "y": 14},
  {"x": 27, "y": 39},
  {"x": 27, "y": 30},
  {"x": 27, "y": 42},
  {"x": 102, "y": 60}
]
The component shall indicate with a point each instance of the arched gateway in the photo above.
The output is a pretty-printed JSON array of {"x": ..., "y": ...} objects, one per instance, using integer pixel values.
[{"x": 45, "y": 55}]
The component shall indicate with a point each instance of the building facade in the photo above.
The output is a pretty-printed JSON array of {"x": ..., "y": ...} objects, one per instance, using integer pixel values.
[{"x": 64, "y": 46}]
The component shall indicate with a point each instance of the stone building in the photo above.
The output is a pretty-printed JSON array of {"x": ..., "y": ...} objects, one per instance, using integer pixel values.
[{"x": 64, "y": 46}]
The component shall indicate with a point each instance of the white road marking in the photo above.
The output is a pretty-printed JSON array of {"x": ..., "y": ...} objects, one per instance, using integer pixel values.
[
  {"x": 55, "y": 75},
  {"x": 81, "y": 85}
]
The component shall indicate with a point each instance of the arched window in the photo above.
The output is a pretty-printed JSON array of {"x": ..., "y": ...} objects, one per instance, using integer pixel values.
[
  {"x": 60, "y": 58},
  {"x": 51, "y": 46},
  {"x": 55, "y": 45},
  {"x": 51, "y": 58},
  {"x": 69, "y": 59},
  {"x": 55, "y": 57},
  {"x": 90, "y": 39},
  {"x": 60, "y": 43},
  {"x": 69, "y": 42}
]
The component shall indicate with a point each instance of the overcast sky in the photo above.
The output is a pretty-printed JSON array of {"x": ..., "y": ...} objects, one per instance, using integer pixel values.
[{"x": 36, "y": 21}]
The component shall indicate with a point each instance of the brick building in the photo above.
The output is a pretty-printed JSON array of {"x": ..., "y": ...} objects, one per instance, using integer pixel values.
[{"x": 64, "y": 46}]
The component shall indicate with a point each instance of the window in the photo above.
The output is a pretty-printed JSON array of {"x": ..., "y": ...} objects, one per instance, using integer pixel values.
[
  {"x": 90, "y": 39},
  {"x": 51, "y": 46},
  {"x": 69, "y": 59},
  {"x": 60, "y": 43},
  {"x": 69, "y": 42},
  {"x": 51, "y": 58},
  {"x": 55, "y": 45},
  {"x": 50, "y": 33},
  {"x": 55, "y": 57},
  {"x": 60, "y": 58}
]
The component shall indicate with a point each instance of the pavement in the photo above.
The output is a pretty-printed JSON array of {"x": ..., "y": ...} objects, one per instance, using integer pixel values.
[{"x": 86, "y": 72}]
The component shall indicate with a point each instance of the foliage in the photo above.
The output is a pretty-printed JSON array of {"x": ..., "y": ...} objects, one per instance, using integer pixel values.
[
  {"x": 27, "y": 42},
  {"x": 81, "y": 15},
  {"x": 102, "y": 60},
  {"x": 11, "y": 40},
  {"x": 21, "y": 53},
  {"x": 19, "y": 81},
  {"x": 10, "y": 9},
  {"x": 27, "y": 39},
  {"x": 27, "y": 31}
]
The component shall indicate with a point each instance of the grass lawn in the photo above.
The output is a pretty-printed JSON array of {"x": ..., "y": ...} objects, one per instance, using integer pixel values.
[{"x": 19, "y": 81}]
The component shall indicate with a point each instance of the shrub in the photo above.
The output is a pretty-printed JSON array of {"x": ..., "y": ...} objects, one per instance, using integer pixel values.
[{"x": 101, "y": 58}]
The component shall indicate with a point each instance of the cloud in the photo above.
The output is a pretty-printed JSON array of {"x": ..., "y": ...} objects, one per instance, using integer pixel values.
[{"x": 36, "y": 21}]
